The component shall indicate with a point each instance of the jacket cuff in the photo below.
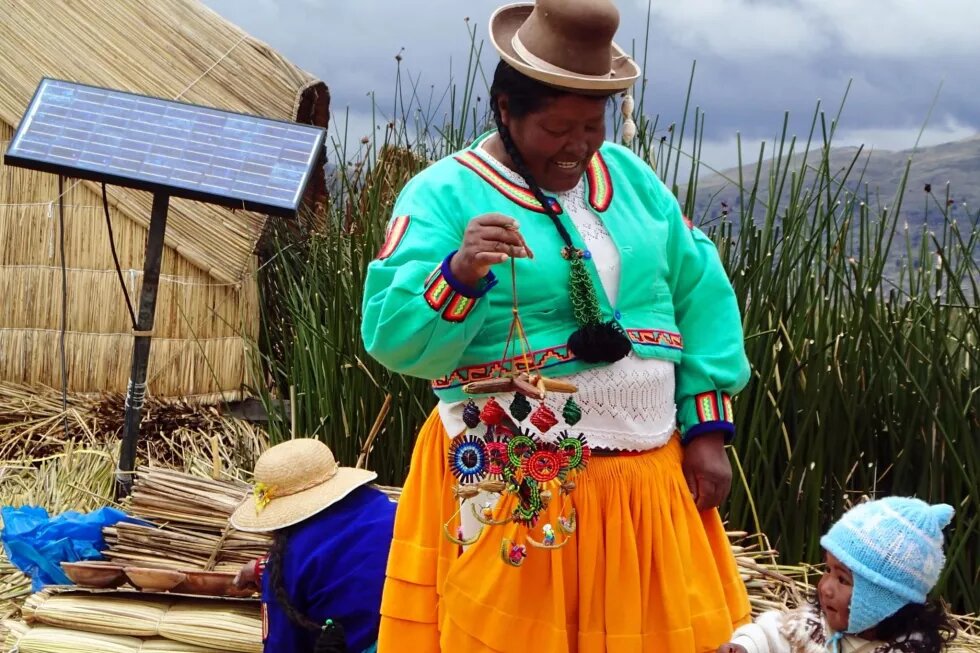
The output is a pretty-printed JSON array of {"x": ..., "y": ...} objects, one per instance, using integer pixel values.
[
  {"x": 707, "y": 412},
  {"x": 444, "y": 297}
]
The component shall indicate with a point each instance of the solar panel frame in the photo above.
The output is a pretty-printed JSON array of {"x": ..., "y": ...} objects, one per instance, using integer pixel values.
[{"x": 100, "y": 149}]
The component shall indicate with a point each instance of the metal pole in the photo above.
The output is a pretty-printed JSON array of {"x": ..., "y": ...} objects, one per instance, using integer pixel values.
[{"x": 136, "y": 392}]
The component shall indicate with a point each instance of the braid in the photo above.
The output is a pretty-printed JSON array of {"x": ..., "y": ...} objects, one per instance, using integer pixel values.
[
  {"x": 280, "y": 540},
  {"x": 332, "y": 638},
  {"x": 521, "y": 168},
  {"x": 594, "y": 341}
]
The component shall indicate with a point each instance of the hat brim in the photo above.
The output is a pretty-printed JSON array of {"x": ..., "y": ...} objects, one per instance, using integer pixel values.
[
  {"x": 505, "y": 22},
  {"x": 282, "y": 512}
]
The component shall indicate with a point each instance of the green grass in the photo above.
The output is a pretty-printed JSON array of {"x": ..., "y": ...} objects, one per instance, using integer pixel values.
[{"x": 862, "y": 333}]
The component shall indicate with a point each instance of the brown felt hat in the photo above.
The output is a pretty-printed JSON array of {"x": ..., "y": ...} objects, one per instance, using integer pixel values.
[{"x": 567, "y": 44}]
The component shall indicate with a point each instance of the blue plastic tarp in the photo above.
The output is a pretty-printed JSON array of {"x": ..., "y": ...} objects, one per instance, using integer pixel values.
[{"x": 37, "y": 544}]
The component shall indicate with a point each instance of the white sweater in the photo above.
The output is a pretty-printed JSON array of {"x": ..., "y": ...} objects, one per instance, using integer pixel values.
[{"x": 798, "y": 631}]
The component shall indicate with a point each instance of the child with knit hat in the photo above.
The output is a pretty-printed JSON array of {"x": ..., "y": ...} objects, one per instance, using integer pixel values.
[{"x": 883, "y": 558}]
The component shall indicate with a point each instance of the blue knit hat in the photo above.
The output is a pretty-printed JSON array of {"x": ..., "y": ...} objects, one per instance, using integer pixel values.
[{"x": 894, "y": 549}]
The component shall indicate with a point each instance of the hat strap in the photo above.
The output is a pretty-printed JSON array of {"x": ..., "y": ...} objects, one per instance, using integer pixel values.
[{"x": 543, "y": 65}]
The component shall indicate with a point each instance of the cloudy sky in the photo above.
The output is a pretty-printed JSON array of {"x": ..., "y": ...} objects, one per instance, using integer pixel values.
[{"x": 756, "y": 59}]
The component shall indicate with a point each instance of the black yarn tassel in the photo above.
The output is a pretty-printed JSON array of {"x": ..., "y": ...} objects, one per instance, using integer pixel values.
[
  {"x": 602, "y": 342},
  {"x": 332, "y": 639}
]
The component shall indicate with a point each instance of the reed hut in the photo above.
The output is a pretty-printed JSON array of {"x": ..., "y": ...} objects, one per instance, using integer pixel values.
[{"x": 208, "y": 303}]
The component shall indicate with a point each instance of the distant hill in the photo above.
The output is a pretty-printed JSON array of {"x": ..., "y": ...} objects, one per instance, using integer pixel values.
[{"x": 956, "y": 163}]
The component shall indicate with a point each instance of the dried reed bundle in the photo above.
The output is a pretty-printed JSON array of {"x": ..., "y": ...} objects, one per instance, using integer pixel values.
[
  {"x": 224, "y": 626},
  {"x": 194, "y": 531},
  {"x": 48, "y": 639},
  {"x": 174, "y": 433},
  {"x": 163, "y": 645},
  {"x": 136, "y": 616}
]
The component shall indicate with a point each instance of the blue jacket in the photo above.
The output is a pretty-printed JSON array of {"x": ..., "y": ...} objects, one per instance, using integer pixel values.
[{"x": 334, "y": 568}]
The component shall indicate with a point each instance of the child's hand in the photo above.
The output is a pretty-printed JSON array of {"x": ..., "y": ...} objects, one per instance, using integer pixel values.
[{"x": 731, "y": 648}]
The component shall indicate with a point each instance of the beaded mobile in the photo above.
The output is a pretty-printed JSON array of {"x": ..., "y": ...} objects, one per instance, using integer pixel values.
[{"x": 500, "y": 455}]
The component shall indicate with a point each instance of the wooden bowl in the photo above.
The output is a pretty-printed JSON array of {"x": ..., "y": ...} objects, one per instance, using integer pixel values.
[
  {"x": 210, "y": 583},
  {"x": 94, "y": 573},
  {"x": 154, "y": 580}
]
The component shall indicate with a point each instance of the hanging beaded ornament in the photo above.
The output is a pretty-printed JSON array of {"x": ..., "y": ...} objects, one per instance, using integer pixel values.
[{"x": 499, "y": 454}]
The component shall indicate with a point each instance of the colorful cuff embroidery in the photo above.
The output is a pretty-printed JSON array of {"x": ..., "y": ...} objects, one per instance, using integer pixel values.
[
  {"x": 397, "y": 229},
  {"x": 445, "y": 294},
  {"x": 714, "y": 411},
  {"x": 711, "y": 410}
]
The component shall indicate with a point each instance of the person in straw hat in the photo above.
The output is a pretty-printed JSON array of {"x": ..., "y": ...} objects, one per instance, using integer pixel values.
[
  {"x": 621, "y": 302},
  {"x": 322, "y": 580}
]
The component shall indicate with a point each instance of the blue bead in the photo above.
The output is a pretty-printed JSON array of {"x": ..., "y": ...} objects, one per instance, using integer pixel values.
[
  {"x": 619, "y": 315},
  {"x": 587, "y": 255}
]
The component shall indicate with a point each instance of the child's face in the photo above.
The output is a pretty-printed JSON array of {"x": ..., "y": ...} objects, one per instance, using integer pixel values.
[{"x": 834, "y": 592}]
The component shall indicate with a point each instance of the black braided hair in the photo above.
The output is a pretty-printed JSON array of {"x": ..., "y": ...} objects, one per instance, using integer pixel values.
[
  {"x": 594, "y": 341},
  {"x": 332, "y": 638}
]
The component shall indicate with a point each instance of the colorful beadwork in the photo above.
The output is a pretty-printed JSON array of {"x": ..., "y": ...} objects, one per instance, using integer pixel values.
[
  {"x": 543, "y": 418},
  {"x": 576, "y": 451},
  {"x": 571, "y": 412},
  {"x": 544, "y": 465},
  {"x": 492, "y": 414},
  {"x": 520, "y": 407},
  {"x": 467, "y": 458},
  {"x": 530, "y": 505},
  {"x": 519, "y": 446},
  {"x": 497, "y": 456},
  {"x": 471, "y": 414}
]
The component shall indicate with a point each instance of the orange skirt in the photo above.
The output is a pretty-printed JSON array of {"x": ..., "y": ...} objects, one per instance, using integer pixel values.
[{"x": 643, "y": 573}]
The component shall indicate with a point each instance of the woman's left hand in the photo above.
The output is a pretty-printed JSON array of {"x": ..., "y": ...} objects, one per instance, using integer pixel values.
[{"x": 707, "y": 470}]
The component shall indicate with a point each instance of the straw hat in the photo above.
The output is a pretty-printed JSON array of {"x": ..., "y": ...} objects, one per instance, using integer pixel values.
[
  {"x": 565, "y": 43},
  {"x": 294, "y": 481}
]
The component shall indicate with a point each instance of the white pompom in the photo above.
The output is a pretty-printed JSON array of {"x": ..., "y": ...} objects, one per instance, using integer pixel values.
[
  {"x": 627, "y": 107},
  {"x": 629, "y": 131}
]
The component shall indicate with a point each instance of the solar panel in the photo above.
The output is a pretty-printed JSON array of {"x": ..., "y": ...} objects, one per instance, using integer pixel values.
[{"x": 185, "y": 150}]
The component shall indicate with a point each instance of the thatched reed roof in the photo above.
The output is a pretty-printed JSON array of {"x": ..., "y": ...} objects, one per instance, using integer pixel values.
[{"x": 175, "y": 49}]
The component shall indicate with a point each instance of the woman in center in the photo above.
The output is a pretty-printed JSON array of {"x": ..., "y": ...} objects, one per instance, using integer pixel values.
[{"x": 620, "y": 297}]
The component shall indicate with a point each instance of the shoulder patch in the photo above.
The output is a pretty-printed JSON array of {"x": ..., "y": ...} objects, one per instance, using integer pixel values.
[{"x": 396, "y": 232}]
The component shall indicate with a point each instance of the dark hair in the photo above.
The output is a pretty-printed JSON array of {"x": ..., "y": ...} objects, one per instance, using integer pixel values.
[
  {"x": 928, "y": 622},
  {"x": 598, "y": 342},
  {"x": 916, "y": 628},
  {"x": 332, "y": 638}
]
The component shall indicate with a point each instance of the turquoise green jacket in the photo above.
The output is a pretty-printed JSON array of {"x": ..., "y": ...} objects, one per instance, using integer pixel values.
[{"x": 675, "y": 301}]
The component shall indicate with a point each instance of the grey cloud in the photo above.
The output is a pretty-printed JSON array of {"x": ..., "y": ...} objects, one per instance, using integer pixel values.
[{"x": 756, "y": 58}]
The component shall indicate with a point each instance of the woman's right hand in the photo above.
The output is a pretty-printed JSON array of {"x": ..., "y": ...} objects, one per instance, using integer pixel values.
[
  {"x": 247, "y": 576},
  {"x": 489, "y": 239}
]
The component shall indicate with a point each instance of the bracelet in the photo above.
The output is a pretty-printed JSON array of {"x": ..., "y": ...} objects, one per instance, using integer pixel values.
[{"x": 473, "y": 292}]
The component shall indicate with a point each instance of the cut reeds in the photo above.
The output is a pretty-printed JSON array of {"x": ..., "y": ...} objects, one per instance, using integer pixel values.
[
  {"x": 224, "y": 626},
  {"x": 135, "y": 615}
]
